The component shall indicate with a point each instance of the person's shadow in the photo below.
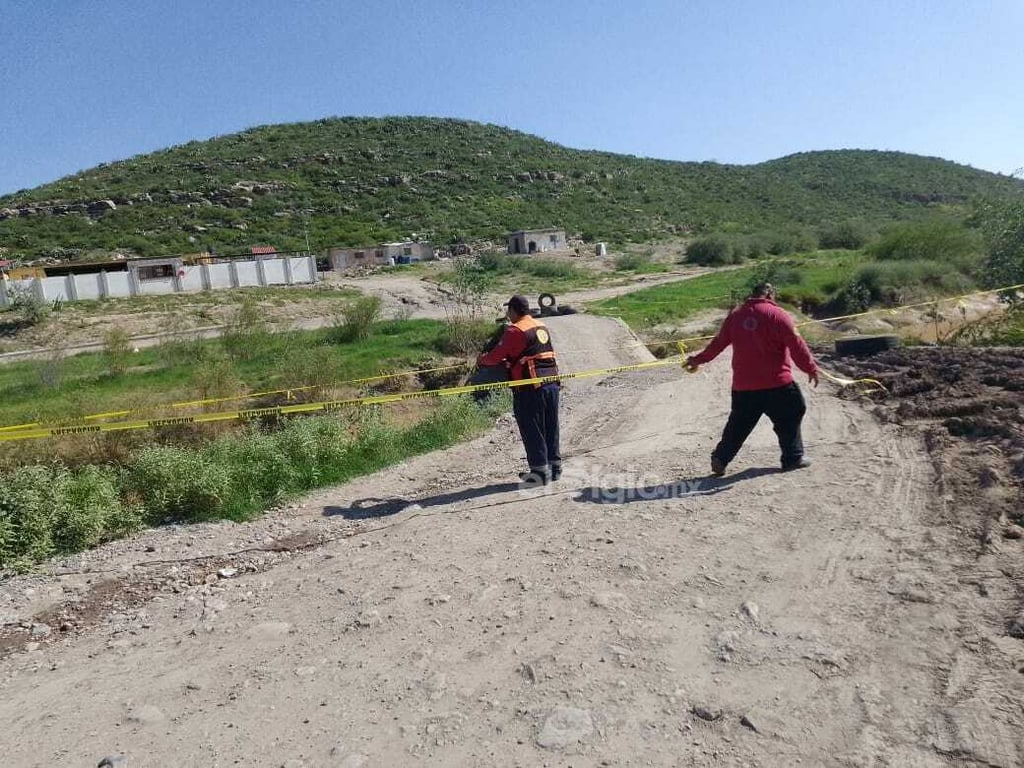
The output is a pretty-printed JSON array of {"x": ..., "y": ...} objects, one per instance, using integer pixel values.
[
  {"x": 369, "y": 508},
  {"x": 680, "y": 489}
]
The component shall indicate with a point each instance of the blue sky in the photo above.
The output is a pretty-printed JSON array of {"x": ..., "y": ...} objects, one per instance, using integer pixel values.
[{"x": 85, "y": 82}]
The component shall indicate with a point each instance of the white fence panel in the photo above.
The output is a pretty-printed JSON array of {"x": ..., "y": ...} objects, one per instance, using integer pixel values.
[
  {"x": 20, "y": 286},
  {"x": 199, "y": 277},
  {"x": 248, "y": 274},
  {"x": 55, "y": 288},
  {"x": 303, "y": 270},
  {"x": 88, "y": 286},
  {"x": 193, "y": 279},
  {"x": 118, "y": 284},
  {"x": 273, "y": 272},
  {"x": 220, "y": 275}
]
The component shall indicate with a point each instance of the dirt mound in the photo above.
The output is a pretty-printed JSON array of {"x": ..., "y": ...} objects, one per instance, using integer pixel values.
[{"x": 970, "y": 404}]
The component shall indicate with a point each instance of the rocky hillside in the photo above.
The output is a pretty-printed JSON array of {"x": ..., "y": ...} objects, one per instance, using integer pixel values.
[{"x": 355, "y": 180}]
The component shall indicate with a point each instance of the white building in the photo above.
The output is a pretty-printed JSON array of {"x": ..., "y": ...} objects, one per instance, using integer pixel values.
[{"x": 536, "y": 240}]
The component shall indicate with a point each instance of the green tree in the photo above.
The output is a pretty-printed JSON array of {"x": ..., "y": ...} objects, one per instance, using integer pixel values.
[{"x": 1002, "y": 226}]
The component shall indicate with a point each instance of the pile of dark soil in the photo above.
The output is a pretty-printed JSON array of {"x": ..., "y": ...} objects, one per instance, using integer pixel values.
[{"x": 969, "y": 403}]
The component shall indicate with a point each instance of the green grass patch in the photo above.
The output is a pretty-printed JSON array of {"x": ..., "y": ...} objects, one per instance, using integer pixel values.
[
  {"x": 533, "y": 273},
  {"x": 818, "y": 284},
  {"x": 639, "y": 264},
  {"x": 675, "y": 301},
  {"x": 53, "y": 509},
  {"x": 251, "y": 360}
]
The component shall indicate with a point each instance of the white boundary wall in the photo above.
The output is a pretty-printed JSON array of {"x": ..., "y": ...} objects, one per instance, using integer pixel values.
[{"x": 288, "y": 270}]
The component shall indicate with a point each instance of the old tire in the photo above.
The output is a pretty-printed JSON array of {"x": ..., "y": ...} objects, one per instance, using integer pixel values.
[
  {"x": 546, "y": 301},
  {"x": 860, "y": 346}
]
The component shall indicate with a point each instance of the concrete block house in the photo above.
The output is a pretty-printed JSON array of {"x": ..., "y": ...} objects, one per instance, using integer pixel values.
[
  {"x": 536, "y": 240},
  {"x": 383, "y": 254}
]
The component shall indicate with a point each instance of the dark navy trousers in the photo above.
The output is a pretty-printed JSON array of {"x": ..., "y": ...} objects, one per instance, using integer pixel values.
[{"x": 536, "y": 412}]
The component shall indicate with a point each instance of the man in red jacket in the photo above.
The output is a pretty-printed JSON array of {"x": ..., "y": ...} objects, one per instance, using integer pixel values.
[
  {"x": 765, "y": 343},
  {"x": 525, "y": 348}
]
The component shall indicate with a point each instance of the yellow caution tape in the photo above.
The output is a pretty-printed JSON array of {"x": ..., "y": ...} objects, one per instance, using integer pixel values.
[
  {"x": 329, "y": 406},
  {"x": 288, "y": 393},
  {"x": 683, "y": 359},
  {"x": 844, "y": 382},
  {"x": 325, "y": 406}
]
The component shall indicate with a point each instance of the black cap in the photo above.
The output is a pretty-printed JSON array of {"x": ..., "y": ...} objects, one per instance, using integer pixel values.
[{"x": 519, "y": 304}]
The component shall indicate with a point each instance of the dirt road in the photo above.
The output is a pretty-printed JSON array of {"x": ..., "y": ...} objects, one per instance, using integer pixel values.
[
  {"x": 416, "y": 297},
  {"x": 636, "y": 613}
]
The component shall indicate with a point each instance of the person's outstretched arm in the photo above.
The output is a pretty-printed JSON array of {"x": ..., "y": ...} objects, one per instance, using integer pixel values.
[{"x": 718, "y": 344}]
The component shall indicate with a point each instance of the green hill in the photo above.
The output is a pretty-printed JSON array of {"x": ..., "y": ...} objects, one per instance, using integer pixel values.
[{"x": 357, "y": 181}]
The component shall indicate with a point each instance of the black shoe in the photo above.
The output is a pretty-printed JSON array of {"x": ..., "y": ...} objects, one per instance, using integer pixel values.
[
  {"x": 801, "y": 463},
  {"x": 717, "y": 466},
  {"x": 534, "y": 479},
  {"x": 556, "y": 472}
]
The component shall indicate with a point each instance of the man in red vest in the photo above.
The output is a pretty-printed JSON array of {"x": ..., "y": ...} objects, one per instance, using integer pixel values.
[
  {"x": 525, "y": 348},
  {"x": 764, "y": 345}
]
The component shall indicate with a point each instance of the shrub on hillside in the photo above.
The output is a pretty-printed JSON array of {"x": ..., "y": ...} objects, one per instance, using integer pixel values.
[
  {"x": 50, "y": 370},
  {"x": 710, "y": 251},
  {"x": 750, "y": 247},
  {"x": 28, "y": 510},
  {"x": 853, "y": 297},
  {"x": 1002, "y": 226},
  {"x": 246, "y": 331},
  {"x": 777, "y": 273},
  {"x": 50, "y": 510},
  {"x": 28, "y": 307},
  {"x": 789, "y": 241},
  {"x": 633, "y": 262},
  {"x": 92, "y": 509},
  {"x": 355, "y": 320},
  {"x": 898, "y": 282},
  {"x": 318, "y": 367},
  {"x": 733, "y": 248},
  {"x": 1004, "y": 329},
  {"x": 466, "y": 336},
  {"x": 550, "y": 269},
  {"x": 179, "y": 483},
  {"x": 181, "y": 351},
  {"x": 630, "y": 262},
  {"x": 495, "y": 262},
  {"x": 117, "y": 349},
  {"x": 941, "y": 241},
  {"x": 846, "y": 235},
  {"x": 214, "y": 375}
]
